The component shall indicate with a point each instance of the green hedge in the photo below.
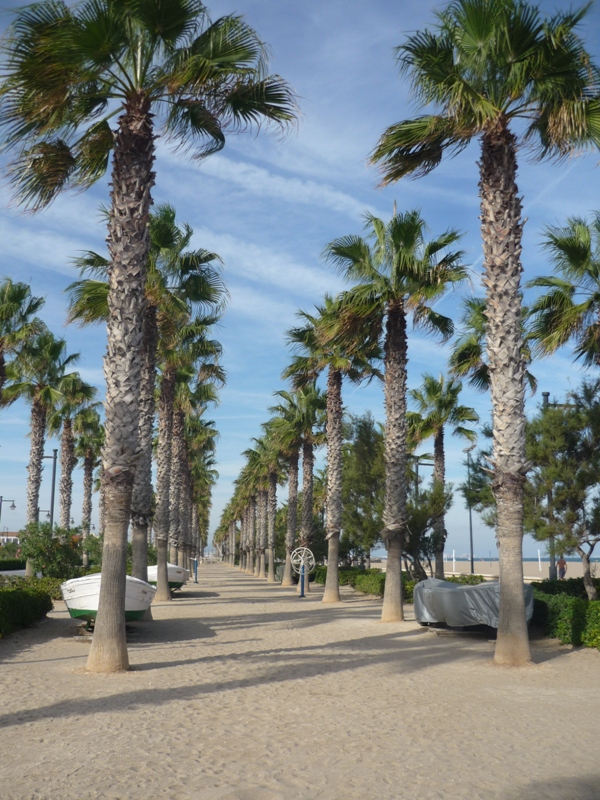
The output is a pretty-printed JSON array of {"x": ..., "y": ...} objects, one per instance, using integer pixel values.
[
  {"x": 49, "y": 585},
  {"x": 466, "y": 580},
  {"x": 7, "y": 564},
  {"x": 571, "y": 620},
  {"x": 573, "y": 587},
  {"x": 20, "y": 607}
]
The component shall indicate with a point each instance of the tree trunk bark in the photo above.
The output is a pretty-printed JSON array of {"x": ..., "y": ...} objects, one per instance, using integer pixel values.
[
  {"x": 335, "y": 440},
  {"x": 67, "y": 465},
  {"x": 143, "y": 497},
  {"x": 292, "y": 519},
  {"x": 307, "y": 524},
  {"x": 439, "y": 478},
  {"x": 271, "y": 514},
  {"x": 163, "y": 481},
  {"x": 86, "y": 511},
  {"x": 129, "y": 244},
  {"x": 501, "y": 230},
  {"x": 177, "y": 489},
  {"x": 588, "y": 581},
  {"x": 394, "y": 512},
  {"x": 36, "y": 454},
  {"x": 262, "y": 532}
]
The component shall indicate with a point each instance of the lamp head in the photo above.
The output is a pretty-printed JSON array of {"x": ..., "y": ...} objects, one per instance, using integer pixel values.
[{"x": 13, "y": 506}]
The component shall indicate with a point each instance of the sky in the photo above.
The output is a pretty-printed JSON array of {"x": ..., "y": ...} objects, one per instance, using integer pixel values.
[{"x": 269, "y": 204}]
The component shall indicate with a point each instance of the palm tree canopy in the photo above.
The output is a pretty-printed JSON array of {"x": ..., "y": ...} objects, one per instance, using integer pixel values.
[
  {"x": 491, "y": 61},
  {"x": 39, "y": 372},
  {"x": 318, "y": 350},
  {"x": 76, "y": 393},
  {"x": 17, "y": 313},
  {"x": 395, "y": 263},
  {"x": 571, "y": 305},
  {"x": 467, "y": 358},
  {"x": 69, "y": 70},
  {"x": 437, "y": 406},
  {"x": 178, "y": 278},
  {"x": 299, "y": 417}
]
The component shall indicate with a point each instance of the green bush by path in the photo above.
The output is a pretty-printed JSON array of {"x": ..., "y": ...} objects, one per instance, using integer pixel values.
[
  {"x": 571, "y": 620},
  {"x": 573, "y": 587},
  {"x": 7, "y": 564},
  {"x": 49, "y": 585},
  {"x": 22, "y": 606},
  {"x": 466, "y": 580}
]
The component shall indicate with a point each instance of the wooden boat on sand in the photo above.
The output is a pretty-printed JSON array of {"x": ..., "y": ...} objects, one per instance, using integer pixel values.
[
  {"x": 81, "y": 596},
  {"x": 177, "y": 576}
]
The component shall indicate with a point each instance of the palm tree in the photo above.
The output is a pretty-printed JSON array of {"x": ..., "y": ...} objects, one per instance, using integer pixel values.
[
  {"x": 159, "y": 67},
  {"x": 75, "y": 396},
  {"x": 571, "y": 307},
  {"x": 491, "y": 66},
  {"x": 39, "y": 375},
  {"x": 17, "y": 320},
  {"x": 351, "y": 359},
  {"x": 179, "y": 281},
  {"x": 467, "y": 358},
  {"x": 438, "y": 406},
  {"x": 398, "y": 274},
  {"x": 300, "y": 422},
  {"x": 88, "y": 447}
]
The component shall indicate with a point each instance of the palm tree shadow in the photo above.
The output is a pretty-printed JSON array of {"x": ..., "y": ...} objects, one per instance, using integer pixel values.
[{"x": 585, "y": 787}]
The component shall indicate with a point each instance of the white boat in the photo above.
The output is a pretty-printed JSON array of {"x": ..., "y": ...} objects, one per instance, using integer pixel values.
[
  {"x": 82, "y": 594},
  {"x": 176, "y": 576}
]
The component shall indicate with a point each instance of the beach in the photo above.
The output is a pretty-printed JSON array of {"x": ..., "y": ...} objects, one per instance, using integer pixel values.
[{"x": 241, "y": 691}]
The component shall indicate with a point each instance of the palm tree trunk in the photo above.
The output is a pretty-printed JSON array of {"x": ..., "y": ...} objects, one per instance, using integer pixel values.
[
  {"x": 175, "y": 532},
  {"x": 334, "y": 483},
  {"x": 271, "y": 514},
  {"x": 394, "y": 512},
  {"x": 501, "y": 228},
  {"x": 262, "y": 532},
  {"x": 142, "y": 498},
  {"x": 588, "y": 581},
  {"x": 439, "y": 479},
  {"x": 36, "y": 454},
  {"x": 67, "y": 465},
  {"x": 307, "y": 525},
  {"x": 292, "y": 519},
  {"x": 86, "y": 511},
  {"x": 101, "y": 503},
  {"x": 163, "y": 482},
  {"x": 129, "y": 243}
]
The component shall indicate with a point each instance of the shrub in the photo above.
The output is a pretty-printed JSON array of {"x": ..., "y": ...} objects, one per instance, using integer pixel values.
[
  {"x": 591, "y": 635},
  {"x": 7, "y": 564},
  {"x": 466, "y": 580},
  {"x": 571, "y": 620},
  {"x": 572, "y": 587},
  {"x": 54, "y": 556},
  {"x": 49, "y": 585},
  {"x": 370, "y": 582},
  {"x": 22, "y": 606}
]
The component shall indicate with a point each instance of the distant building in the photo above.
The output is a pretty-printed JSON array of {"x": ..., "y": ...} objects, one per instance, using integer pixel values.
[{"x": 6, "y": 537}]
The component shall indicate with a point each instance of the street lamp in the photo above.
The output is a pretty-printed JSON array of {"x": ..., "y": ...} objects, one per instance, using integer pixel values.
[
  {"x": 468, "y": 450},
  {"x": 12, "y": 505},
  {"x": 54, "y": 458},
  {"x": 422, "y": 459},
  {"x": 43, "y": 511}
]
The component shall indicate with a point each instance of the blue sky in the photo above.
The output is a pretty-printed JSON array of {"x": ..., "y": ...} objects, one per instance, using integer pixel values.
[{"x": 269, "y": 205}]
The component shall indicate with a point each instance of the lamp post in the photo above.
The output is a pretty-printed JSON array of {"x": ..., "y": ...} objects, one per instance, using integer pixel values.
[
  {"x": 12, "y": 506},
  {"x": 45, "y": 511},
  {"x": 468, "y": 450},
  {"x": 422, "y": 459},
  {"x": 552, "y": 571},
  {"x": 54, "y": 458}
]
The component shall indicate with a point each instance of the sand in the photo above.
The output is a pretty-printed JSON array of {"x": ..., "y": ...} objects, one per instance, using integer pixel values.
[{"x": 242, "y": 691}]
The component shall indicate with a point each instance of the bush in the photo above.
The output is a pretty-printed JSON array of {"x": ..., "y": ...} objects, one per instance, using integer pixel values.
[
  {"x": 49, "y": 585},
  {"x": 572, "y": 587},
  {"x": 54, "y": 556},
  {"x": 22, "y": 606},
  {"x": 571, "y": 620},
  {"x": 466, "y": 580},
  {"x": 7, "y": 564},
  {"x": 370, "y": 582}
]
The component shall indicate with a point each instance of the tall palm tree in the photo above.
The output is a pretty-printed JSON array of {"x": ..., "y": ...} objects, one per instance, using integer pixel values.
[
  {"x": 570, "y": 309},
  {"x": 157, "y": 67},
  {"x": 497, "y": 71},
  {"x": 179, "y": 281},
  {"x": 17, "y": 320},
  {"x": 39, "y": 375},
  {"x": 437, "y": 406},
  {"x": 75, "y": 397},
  {"x": 88, "y": 447},
  {"x": 398, "y": 272},
  {"x": 275, "y": 471},
  {"x": 355, "y": 360},
  {"x": 258, "y": 458}
]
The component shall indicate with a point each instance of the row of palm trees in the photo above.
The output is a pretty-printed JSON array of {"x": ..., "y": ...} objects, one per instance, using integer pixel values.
[
  {"x": 486, "y": 69},
  {"x": 84, "y": 83}
]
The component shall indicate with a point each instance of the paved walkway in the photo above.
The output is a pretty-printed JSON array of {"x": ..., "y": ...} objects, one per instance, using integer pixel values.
[{"x": 242, "y": 691}]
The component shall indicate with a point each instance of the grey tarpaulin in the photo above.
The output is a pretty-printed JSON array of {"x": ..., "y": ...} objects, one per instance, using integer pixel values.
[{"x": 460, "y": 606}]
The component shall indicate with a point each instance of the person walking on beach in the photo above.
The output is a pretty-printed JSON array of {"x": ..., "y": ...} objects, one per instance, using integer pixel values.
[{"x": 562, "y": 568}]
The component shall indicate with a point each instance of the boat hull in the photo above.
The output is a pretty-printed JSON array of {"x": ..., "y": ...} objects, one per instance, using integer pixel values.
[
  {"x": 81, "y": 596},
  {"x": 176, "y": 576}
]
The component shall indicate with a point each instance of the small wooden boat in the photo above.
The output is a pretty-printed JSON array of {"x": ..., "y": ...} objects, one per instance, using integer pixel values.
[
  {"x": 176, "y": 576},
  {"x": 81, "y": 596}
]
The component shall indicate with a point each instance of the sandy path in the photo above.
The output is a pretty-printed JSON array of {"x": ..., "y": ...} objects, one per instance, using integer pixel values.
[{"x": 241, "y": 691}]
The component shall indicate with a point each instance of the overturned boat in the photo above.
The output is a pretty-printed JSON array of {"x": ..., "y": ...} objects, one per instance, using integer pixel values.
[
  {"x": 176, "y": 576},
  {"x": 81, "y": 596}
]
